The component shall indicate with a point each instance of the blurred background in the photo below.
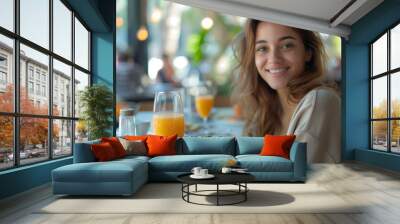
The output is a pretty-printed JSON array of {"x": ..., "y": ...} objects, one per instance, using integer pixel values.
[{"x": 162, "y": 45}]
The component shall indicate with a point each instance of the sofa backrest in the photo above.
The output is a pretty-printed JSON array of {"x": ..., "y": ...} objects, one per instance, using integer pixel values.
[
  {"x": 192, "y": 146},
  {"x": 206, "y": 145},
  {"x": 83, "y": 152},
  {"x": 253, "y": 145},
  {"x": 249, "y": 145}
]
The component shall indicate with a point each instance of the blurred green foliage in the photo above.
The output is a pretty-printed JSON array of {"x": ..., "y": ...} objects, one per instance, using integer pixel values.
[{"x": 195, "y": 46}]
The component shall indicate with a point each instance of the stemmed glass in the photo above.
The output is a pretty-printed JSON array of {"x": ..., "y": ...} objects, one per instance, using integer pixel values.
[
  {"x": 168, "y": 117},
  {"x": 204, "y": 101}
]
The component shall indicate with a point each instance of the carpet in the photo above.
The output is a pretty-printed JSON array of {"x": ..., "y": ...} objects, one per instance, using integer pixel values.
[{"x": 166, "y": 198}]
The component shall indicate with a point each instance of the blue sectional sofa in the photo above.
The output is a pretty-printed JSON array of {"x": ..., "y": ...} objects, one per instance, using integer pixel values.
[{"x": 125, "y": 176}]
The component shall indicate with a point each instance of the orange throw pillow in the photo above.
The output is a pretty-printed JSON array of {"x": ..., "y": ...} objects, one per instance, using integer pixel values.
[
  {"x": 116, "y": 145},
  {"x": 161, "y": 145},
  {"x": 277, "y": 145},
  {"x": 103, "y": 152}
]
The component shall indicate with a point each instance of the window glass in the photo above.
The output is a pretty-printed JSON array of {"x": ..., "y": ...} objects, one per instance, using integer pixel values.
[
  {"x": 379, "y": 135},
  {"x": 81, "y": 81},
  {"x": 39, "y": 61},
  {"x": 62, "y": 29},
  {"x": 62, "y": 138},
  {"x": 34, "y": 80},
  {"x": 379, "y": 98},
  {"x": 395, "y": 95},
  {"x": 395, "y": 138},
  {"x": 6, "y": 142},
  {"x": 34, "y": 21},
  {"x": 81, "y": 131},
  {"x": 379, "y": 56},
  {"x": 7, "y": 14},
  {"x": 395, "y": 47},
  {"x": 62, "y": 91},
  {"x": 6, "y": 74},
  {"x": 81, "y": 45},
  {"x": 33, "y": 140},
  {"x": 30, "y": 87}
]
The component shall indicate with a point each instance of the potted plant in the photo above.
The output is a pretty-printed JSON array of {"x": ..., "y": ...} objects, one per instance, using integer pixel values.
[{"x": 96, "y": 102}]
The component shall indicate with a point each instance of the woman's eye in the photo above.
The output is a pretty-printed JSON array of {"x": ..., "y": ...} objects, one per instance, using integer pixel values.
[
  {"x": 261, "y": 49},
  {"x": 287, "y": 46}
]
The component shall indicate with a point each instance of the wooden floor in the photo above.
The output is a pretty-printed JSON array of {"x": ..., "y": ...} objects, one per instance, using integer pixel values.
[{"x": 377, "y": 188}]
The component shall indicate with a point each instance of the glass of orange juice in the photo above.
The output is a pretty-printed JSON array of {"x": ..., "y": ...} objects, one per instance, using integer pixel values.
[
  {"x": 204, "y": 102},
  {"x": 168, "y": 117}
]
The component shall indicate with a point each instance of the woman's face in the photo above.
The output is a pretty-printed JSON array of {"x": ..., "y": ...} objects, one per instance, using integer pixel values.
[{"x": 280, "y": 54}]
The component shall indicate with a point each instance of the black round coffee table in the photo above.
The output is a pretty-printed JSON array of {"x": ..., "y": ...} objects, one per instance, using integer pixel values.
[{"x": 238, "y": 179}]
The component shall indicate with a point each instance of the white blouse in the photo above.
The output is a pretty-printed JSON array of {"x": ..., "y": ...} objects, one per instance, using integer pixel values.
[{"x": 316, "y": 121}]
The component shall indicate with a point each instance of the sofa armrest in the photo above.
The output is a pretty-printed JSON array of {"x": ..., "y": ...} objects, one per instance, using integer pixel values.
[
  {"x": 298, "y": 154},
  {"x": 83, "y": 152}
]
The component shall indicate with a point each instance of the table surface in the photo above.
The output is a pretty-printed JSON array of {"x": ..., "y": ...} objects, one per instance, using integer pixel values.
[
  {"x": 220, "y": 178},
  {"x": 221, "y": 123}
]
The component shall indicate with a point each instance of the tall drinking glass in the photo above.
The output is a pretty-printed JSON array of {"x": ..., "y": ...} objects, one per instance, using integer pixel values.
[
  {"x": 127, "y": 122},
  {"x": 168, "y": 118},
  {"x": 204, "y": 101}
]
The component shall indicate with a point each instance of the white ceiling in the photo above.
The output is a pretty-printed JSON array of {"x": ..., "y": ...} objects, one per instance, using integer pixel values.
[
  {"x": 318, "y": 15},
  {"x": 321, "y": 9}
]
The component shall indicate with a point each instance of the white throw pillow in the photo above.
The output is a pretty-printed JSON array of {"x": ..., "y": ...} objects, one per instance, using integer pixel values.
[{"x": 137, "y": 147}]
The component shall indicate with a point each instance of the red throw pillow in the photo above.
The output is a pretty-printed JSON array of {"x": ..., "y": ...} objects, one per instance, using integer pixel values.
[
  {"x": 161, "y": 145},
  {"x": 277, "y": 145},
  {"x": 103, "y": 152},
  {"x": 116, "y": 145}
]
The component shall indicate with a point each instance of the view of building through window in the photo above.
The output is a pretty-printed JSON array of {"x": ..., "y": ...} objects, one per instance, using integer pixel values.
[
  {"x": 385, "y": 80},
  {"x": 37, "y": 86}
]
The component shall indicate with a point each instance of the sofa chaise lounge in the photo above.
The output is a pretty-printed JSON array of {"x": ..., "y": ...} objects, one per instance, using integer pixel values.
[{"x": 126, "y": 175}]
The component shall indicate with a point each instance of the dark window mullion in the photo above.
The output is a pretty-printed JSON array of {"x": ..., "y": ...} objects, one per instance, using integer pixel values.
[
  {"x": 386, "y": 73},
  {"x": 389, "y": 113},
  {"x": 7, "y": 33},
  {"x": 371, "y": 99},
  {"x": 73, "y": 82},
  {"x": 84, "y": 70},
  {"x": 114, "y": 74},
  {"x": 384, "y": 119},
  {"x": 38, "y": 116},
  {"x": 50, "y": 87},
  {"x": 89, "y": 54},
  {"x": 62, "y": 59}
]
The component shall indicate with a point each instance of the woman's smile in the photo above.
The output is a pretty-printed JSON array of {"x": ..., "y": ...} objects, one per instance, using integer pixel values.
[{"x": 277, "y": 71}]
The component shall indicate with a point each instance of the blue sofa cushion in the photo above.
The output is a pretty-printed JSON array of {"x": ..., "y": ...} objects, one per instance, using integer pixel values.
[
  {"x": 185, "y": 163},
  {"x": 111, "y": 171},
  {"x": 132, "y": 158},
  {"x": 249, "y": 145},
  {"x": 83, "y": 153},
  {"x": 257, "y": 163},
  {"x": 206, "y": 145}
]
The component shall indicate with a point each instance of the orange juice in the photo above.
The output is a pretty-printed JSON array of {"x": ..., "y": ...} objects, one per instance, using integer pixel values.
[
  {"x": 168, "y": 123},
  {"x": 204, "y": 105}
]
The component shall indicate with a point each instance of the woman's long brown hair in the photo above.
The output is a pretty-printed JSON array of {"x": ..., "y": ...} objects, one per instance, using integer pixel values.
[{"x": 259, "y": 103}]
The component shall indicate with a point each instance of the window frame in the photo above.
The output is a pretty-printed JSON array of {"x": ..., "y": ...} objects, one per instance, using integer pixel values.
[
  {"x": 16, "y": 114},
  {"x": 388, "y": 74}
]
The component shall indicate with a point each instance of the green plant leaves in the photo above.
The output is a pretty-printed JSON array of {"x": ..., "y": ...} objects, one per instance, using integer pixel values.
[{"x": 97, "y": 102}]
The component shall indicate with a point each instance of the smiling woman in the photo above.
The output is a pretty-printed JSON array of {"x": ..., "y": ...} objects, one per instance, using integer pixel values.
[{"x": 280, "y": 88}]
